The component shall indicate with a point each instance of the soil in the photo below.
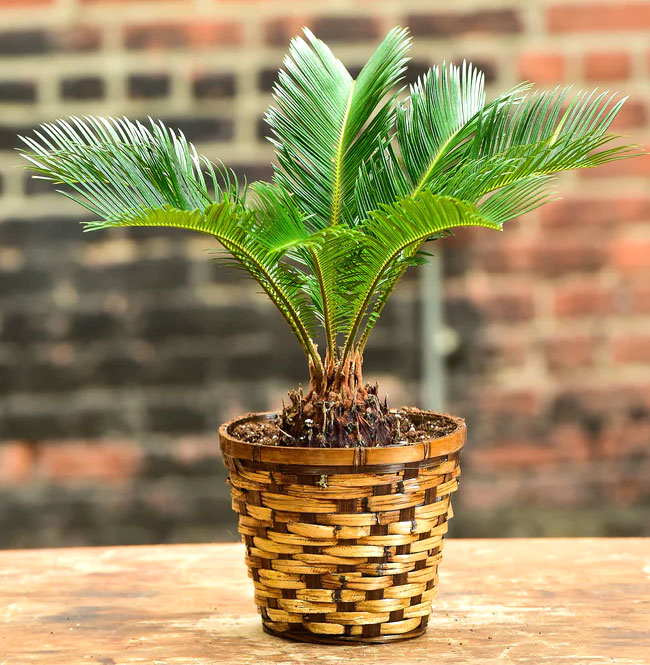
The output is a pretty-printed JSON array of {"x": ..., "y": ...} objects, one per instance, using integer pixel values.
[{"x": 408, "y": 428}]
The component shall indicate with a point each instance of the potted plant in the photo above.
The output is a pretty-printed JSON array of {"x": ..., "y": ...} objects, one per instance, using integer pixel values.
[{"x": 343, "y": 503}]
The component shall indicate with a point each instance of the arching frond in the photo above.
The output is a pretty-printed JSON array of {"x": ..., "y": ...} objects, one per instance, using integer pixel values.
[
  {"x": 538, "y": 137},
  {"x": 329, "y": 264},
  {"x": 279, "y": 224},
  {"x": 546, "y": 116},
  {"x": 394, "y": 234},
  {"x": 231, "y": 225},
  {"x": 501, "y": 159},
  {"x": 433, "y": 127},
  {"x": 131, "y": 175}
]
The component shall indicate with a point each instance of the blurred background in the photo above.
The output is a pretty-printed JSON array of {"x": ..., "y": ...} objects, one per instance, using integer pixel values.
[{"x": 121, "y": 351}]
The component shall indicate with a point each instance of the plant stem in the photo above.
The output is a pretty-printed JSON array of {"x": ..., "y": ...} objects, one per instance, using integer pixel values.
[
  {"x": 290, "y": 316},
  {"x": 354, "y": 329},
  {"x": 327, "y": 322}
]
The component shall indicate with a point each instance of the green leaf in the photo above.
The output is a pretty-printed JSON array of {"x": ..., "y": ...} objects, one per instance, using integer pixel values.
[
  {"x": 394, "y": 234},
  {"x": 278, "y": 223},
  {"x": 433, "y": 123},
  {"x": 545, "y": 138},
  {"x": 231, "y": 225},
  {"x": 115, "y": 165},
  {"x": 434, "y": 126},
  {"x": 323, "y": 124},
  {"x": 516, "y": 198}
]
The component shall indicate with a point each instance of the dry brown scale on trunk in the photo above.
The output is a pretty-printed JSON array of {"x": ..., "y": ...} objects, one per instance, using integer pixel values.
[{"x": 338, "y": 411}]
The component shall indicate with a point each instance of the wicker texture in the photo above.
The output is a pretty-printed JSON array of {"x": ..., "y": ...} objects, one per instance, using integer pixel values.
[{"x": 342, "y": 552}]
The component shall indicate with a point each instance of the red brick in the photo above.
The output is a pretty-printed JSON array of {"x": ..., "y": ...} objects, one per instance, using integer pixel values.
[
  {"x": 498, "y": 400},
  {"x": 79, "y": 39},
  {"x": 542, "y": 67},
  {"x": 16, "y": 462},
  {"x": 555, "y": 256},
  {"x": 625, "y": 437},
  {"x": 190, "y": 449},
  {"x": 607, "y": 65},
  {"x": 639, "y": 297},
  {"x": 333, "y": 29},
  {"x": 161, "y": 36},
  {"x": 207, "y": 34},
  {"x": 507, "y": 350},
  {"x": 512, "y": 455},
  {"x": 624, "y": 492},
  {"x": 599, "y": 16},
  {"x": 569, "y": 441},
  {"x": 631, "y": 348},
  {"x": 180, "y": 35},
  {"x": 564, "y": 443},
  {"x": 449, "y": 23},
  {"x": 585, "y": 298},
  {"x": 631, "y": 255},
  {"x": 569, "y": 352},
  {"x": 595, "y": 212},
  {"x": 118, "y": 2},
  {"x": 111, "y": 461},
  {"x": 279, "y": 31},
  {"x": 25, "y": 3},
  {"x": 512, "y": 306},
  {"x": 507, "y": 254},
  {"x": 602, "y": 398},
  {"x": 633, "y": 115}
]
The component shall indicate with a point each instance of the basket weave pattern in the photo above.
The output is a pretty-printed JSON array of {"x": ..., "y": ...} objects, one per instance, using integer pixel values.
[{"x": 344, "y": 553}]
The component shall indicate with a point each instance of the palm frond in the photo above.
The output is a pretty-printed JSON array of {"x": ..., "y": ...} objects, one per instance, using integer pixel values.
[
  {"x": 329, "y": 265},
  {"x": 323, "y": 125},
  {"x": 515, "y": 137},
  {"x": 395, "y": 233},
  {"x": 434, "y": 121},
  {"x": 280, "y": 226},
  {"x": 539, "y": 117},
  {"x": 116, "y": 166},
  {"x": 234, "y": 228},
  {"x": 546, "y": 139},
  {"x": 381, "y": 181},
  {"x": 433, "y": 127},
  {"x": 516, "y": 199}
]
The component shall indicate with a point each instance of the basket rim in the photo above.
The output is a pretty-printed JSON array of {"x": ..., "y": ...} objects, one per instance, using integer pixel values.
[{"x": 350, "y": 457}]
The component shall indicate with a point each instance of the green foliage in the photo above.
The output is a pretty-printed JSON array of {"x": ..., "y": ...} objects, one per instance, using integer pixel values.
[
  {"x": 397, "y": 232},
  {"x": 363, "y": 178},
  {"x": 323, "y": 125},
  {"x": 117, "y": 167}
]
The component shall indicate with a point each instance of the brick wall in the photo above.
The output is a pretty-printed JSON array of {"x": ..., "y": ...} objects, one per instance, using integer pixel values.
[{"x": 121, "y": 351}]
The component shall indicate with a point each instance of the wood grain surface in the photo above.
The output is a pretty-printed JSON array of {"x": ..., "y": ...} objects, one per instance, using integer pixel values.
[{"x": 560, "y": 601}]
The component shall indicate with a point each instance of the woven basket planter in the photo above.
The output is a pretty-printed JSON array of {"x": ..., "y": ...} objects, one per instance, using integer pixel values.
[{"x": 343, "y": 545}]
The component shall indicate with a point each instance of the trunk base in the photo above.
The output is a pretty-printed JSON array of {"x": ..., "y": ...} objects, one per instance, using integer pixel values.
[{"x": 337, "y": 412}]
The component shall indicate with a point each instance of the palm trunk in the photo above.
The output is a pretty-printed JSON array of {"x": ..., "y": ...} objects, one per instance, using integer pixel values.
[{"x": 338, "y": 411}]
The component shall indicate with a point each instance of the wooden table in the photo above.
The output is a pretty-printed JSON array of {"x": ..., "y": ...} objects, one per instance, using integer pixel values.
[{"x": 577, "y": 601}]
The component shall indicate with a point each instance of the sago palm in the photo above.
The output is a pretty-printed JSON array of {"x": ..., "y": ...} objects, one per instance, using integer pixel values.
[{"x": 364, "y": 178}]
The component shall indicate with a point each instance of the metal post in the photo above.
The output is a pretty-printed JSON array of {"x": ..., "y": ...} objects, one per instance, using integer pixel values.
[{"x": 433, "y": 336}]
